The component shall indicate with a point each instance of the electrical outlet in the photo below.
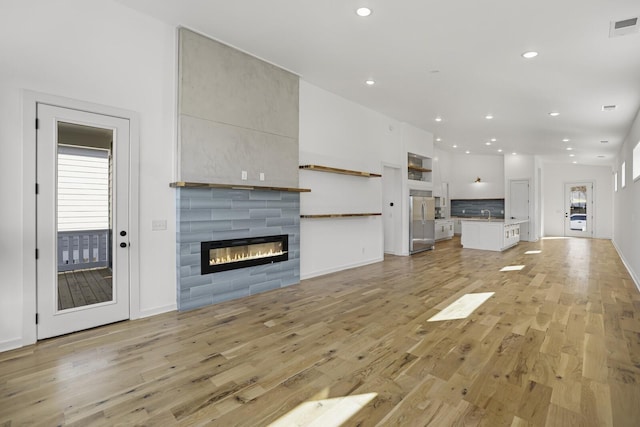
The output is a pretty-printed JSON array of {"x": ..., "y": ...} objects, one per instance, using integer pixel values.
[
  {"x": 261, "y": 176},
  {"x": 244, "y": 175}
]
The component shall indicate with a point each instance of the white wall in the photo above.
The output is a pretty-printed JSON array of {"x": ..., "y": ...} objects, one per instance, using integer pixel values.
[
  {"x": 98, "y": 52},
  {"x": 339, "y": 133},
  {"x": 626, "y": 202},
  {"x": 467, "y": 168},
  {"x": 554, "y": 177}
]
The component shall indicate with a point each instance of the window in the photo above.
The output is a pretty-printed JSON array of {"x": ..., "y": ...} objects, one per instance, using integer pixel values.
[
  {"x": 615, "y": 181},
  {"x": 636, "y": 161},
  {"x": 83, "y": 188},
  {"x": 623, "y": 177}
]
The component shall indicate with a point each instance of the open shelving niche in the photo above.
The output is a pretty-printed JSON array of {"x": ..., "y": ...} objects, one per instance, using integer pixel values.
[
  {"x": 419, "y": 168},
  {"x": 329, "y": 169}
]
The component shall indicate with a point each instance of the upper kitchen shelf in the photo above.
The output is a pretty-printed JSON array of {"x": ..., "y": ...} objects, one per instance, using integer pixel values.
[
  {"x": 419, "y": 169},
  {"x": 329, "y": 169}
]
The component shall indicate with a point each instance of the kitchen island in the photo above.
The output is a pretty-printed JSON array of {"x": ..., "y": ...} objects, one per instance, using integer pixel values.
[{"x": 490, "y": 235}]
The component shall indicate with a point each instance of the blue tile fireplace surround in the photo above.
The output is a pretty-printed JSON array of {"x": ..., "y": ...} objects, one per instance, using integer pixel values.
[{"x": 211, "y": 214}]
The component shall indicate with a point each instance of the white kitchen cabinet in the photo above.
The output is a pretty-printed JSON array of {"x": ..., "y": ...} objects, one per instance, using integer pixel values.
[
  {"x": 489, "y": 235},
  {"x": 444, "y": 229}
]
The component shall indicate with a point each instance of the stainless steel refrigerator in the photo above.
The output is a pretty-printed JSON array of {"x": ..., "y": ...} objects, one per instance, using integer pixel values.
[{"x": 422, "y": 225}]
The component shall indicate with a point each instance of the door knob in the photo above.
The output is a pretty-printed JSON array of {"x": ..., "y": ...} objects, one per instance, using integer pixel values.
[
  {"x": 123, "y": 245},
  {"x": 123, "y": 233}
]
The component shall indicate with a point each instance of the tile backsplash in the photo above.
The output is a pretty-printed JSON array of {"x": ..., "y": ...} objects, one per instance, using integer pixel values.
[{"x": 473, "y": 207}]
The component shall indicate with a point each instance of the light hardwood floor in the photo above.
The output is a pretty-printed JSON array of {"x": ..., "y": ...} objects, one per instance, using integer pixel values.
[{"x": 558, "y": 344}]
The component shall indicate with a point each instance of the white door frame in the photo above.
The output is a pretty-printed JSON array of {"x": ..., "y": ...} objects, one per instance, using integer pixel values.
[{"x": 30, "y": 100}]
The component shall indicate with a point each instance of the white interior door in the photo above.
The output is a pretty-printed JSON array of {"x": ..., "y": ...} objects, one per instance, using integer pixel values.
[
  {"x": 391, "y": 190},
  {"x": 578, "y": 210},
  {"x": 519, "y": 204},
  {"x": 82, "y": 220}
]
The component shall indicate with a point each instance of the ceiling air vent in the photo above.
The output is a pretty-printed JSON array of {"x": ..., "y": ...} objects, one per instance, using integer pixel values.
[
  {"x": 623, "y": 27},
  {"x": 604, "y": 142},
  {"x": 609, "y": 107}
]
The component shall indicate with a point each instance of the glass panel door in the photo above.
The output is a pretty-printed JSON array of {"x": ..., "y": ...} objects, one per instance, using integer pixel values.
[{"x": 578, "y": 212}]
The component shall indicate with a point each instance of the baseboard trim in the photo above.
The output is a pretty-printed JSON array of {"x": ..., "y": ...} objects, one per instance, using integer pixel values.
[
  {"x": 633, "y": 275},
  {"x": 341, "y": 268},
  {"x": 10, "y": 344},
  {"x": 158, "y": 310}
]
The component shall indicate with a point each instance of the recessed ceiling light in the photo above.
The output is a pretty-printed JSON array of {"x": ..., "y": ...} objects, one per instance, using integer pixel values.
[
  {"x": 370, "y": 82},
  {"x": 574, "y": 162},
  {"x": 566, "y": 140},
  {"x": 569, "y": 148},
  {"x": 467, "y": 152},
  {"x": 514, "y": 153},
  {"x": 489, "y": 116},
  {"x": 554, "y": 114},
  {"x": 493, "y": 140},
  {"x": 487, "y": 143},
  {"x": 572, "y": 155},
  {"x": 454, "y": 146},
  {"x": 500, "y": 150},
  {"x": 438, "y": 139},
  {"x": 438, "y": 119},
  {"x": 530, "y": 54},
  {"x": 363, "y": 11}
]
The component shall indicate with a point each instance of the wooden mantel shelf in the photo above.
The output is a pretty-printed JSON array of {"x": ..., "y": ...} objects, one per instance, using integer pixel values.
[
  {"x": 419, "y": 169},
  {"x": 182, "y": 184},
  {"x": 348, "y": 215},
  {"x": 340, "y": 171}
]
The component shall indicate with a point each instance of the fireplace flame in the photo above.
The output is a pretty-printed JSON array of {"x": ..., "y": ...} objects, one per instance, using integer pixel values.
[{"x": 245, "y": 256}]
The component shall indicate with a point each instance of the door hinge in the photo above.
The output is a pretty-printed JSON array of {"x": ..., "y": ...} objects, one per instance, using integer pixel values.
[
  {"x": 37, "y": 123},
  {"x": 37, "y": 253},
  {"x": 37, "y": 188},
  {"x": 37, "y": 318}
]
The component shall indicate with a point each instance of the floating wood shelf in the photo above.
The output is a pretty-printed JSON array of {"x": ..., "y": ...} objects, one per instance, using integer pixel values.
[
  {"x": 419, "y": 169},
  {"x": 181, "y": 184},
  {"x": 340, "y": 171},
  {"x": 349, "y": 215}
]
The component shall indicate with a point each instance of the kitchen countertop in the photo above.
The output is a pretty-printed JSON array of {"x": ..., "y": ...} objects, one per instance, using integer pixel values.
[
  {"x": 493, "y": 220},
  {"x": 498, "y": 220}
]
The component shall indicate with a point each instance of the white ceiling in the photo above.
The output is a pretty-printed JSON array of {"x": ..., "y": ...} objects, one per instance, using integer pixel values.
[{"x": 460, "y": 60}]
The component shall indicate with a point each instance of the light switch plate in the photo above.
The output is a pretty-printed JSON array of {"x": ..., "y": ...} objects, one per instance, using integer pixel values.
[
  {"x": 158, "y": 224},
  {"x": 244, "y": 175},
  {"x": 261, "y": 176}
]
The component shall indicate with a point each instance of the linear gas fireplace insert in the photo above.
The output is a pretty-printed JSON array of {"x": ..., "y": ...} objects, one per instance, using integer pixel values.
[{"x": 223, "y": 255}]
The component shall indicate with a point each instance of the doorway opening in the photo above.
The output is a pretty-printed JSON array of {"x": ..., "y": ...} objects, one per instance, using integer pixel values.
[
  {"x": 579, "y": 212},
  {"x": 82, "y": 160}
]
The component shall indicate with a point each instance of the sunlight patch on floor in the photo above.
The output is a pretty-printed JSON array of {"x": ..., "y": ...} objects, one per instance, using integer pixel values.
[
  {"x": 462, "y": 307},
  {"x": 512, "y": 268},
  {"x": 326, "y": 412},
  {"x": 532, "y": 252},
  {"x": 555, "y": 238}
]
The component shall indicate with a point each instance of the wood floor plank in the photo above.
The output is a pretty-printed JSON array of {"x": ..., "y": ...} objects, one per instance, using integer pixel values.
[{"x": 557, "y": 344}]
